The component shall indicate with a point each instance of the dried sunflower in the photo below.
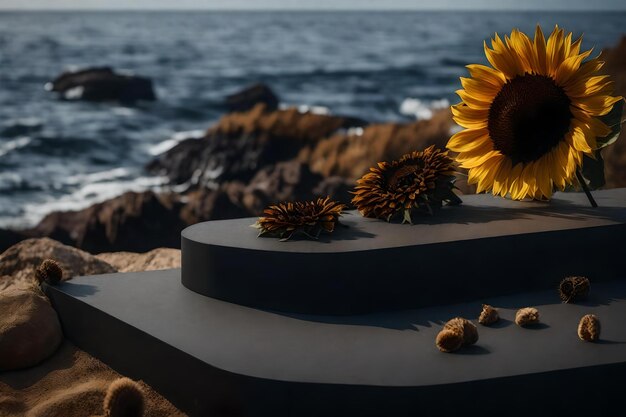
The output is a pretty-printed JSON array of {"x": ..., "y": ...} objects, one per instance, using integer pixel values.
[
  {"x": 531, "y": 117},
  {"x": 418, "y": 180},
  {"x": 309, "y": 218}
]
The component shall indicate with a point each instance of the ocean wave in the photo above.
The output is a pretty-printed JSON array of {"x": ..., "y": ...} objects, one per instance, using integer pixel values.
[
  {"x": 422, "y": 109},
  {"x": 14, "y": 144},
  {"x": 87, "y": 195},
  {"x": 176, "y": 138}
]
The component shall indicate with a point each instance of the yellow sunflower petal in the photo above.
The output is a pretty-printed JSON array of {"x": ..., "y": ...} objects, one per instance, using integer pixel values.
[
  {"x": 469, "y": 118},
  {"x": 490, "y": 75},
  {"x": 468, "y": 139}
]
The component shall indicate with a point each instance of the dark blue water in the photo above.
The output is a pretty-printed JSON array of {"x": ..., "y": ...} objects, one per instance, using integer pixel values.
[{"x": 65, "y": 155}]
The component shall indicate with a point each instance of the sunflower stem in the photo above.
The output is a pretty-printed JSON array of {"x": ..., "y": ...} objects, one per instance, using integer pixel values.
[{"x": 583, "y": 184}]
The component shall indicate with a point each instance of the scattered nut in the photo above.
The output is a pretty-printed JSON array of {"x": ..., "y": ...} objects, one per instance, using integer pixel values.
[
  {"x": 49, "y": 271},
  {"x": 454, "y": 329},
  {"x": 526, "y": 316},
  {"x": 449, "y": 340},
  {"x": 488, "y": 316},
  {"x": 589, "y": 328},
  {"x": 572, "y": 289}
]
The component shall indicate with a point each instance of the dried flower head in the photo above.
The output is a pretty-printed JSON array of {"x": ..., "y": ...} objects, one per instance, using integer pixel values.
[
  {"x": 488, "y": 316},
  {"x": 572, "y": 289},
  {"x": 418, "y": 181},
  {"x": 449, "y": 340},
  {"x": 527, "y": 316},
  {"x": 49, "y": 271},
  {"x": 589, "y": 328},
  {"x": 309, "y": 218},
  {"x": 124, "y": 398}
]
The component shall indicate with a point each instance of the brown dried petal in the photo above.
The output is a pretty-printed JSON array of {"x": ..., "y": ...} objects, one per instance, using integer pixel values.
[
  {"x": 449, "y": 340},
  {"x": 465, "y": 327},
  {"x": 488, "y": 316},
  {"x": 49, "y": 271},
  {"x": 589, "y": 328},
  {"x": 527, "y": 316},
  {"x": 572, "y": 289}
]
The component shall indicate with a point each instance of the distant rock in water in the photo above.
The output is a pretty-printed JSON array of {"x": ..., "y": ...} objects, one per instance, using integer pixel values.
[
  {"x": 249, "y": 97},
  {"x": 102, "y": 84},
  {"x": 243, "y": 143}
]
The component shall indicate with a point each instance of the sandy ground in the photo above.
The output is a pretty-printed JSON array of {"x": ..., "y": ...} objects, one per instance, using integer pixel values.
[{"x": 70, "y": 383}]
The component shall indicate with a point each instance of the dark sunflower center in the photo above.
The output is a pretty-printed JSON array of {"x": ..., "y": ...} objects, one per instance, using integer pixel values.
[
  {"x": 402, "y": 175},
  {"x": 529, "y": 116}
]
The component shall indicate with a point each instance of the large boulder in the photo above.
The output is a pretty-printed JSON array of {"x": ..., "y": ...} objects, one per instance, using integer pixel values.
[
  {"x": 243, "y": 143},
  {"x": 249, "y": 97},
  {"x": 102, "y": 84},
  {"x": 18, "y": 263},
  {"x": 161, "y": 258},
  {"x": 615, "y": 154},
  {"x": 29, "y": 328}
]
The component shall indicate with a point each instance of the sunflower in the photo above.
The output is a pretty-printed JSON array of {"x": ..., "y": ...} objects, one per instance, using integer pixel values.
[
  {"x": 418, "y": 180},
  {"x": 309, "y": 218},
  {"x": 531, "y": 117}
]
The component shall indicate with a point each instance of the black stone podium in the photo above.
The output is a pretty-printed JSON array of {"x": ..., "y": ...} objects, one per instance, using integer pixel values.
[{"x": 346, "y": 326}]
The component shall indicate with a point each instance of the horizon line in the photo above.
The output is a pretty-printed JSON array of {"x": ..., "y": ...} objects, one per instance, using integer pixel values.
[{"x": 236, "y": 10}]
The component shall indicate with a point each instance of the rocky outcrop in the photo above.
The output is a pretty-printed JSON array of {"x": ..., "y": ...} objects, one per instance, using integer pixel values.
[
  {"x": 29, "y": 328},
  {"x": 102, "y": 84},
  {"x": 350, "y": 154},
  {"x": 243, "y": 143},
  {"x": 615, "y": 154},
  {"x": 135, "y": 222},
  {"x": 18, "y": 263},
  {"x": 249, "y": 97},
  {"x": 162, "y": 258}
]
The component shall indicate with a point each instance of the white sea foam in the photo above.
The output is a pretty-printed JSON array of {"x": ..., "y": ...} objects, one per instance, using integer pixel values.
[
  {"x": 303, "y": 108},
  {"x": 176, "y": 138},
  {"x": 89, "y": 194},
  {"x": 96, "y": 177},
  {"x": 17, "y": 143},
  {"x": 422, "y": 109}
]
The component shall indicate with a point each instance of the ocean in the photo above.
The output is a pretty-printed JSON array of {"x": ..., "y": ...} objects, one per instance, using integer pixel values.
[{"x": 380, "y": 66}]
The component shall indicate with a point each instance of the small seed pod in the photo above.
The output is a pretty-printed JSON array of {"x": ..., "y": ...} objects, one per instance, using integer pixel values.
[
  {"x": 124, "y": 398},
  {"x": 488, "y": 316},
  {"x": 526, "y": 316},
  {"x": 449, "y": 340},
  {"x": 572, "y": 289},
  {"x": 589, "y": 328},
  {"x": 465, "y": 327},
  {"x": 49, "y": 271}
]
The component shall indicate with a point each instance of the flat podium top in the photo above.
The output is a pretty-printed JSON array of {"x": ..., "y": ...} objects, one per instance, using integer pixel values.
[{"x": 480, "y": 216}]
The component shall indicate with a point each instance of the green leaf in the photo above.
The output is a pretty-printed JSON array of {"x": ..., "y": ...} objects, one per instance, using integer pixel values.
[
  {"x": 593, "y": 170},
  {"x": 613, "y": 120}
]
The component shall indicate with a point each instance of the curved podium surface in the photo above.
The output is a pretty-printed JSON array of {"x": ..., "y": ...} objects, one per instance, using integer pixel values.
[{"x": 486, "y": 247}]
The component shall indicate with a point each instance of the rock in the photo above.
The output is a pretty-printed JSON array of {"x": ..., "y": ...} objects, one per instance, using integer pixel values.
[
  {"x": 19, "y": 262},
  {"x": 615, "y": 154},
  {"x": 29, "y": 328},
  {"x": 243, "y": 143},
  {"x": 136, "y": 222},
  {"x": 102, "y": 84},
  {"x": 350, "y": 155},
  {"x": 249, "y": 97},
  {"x": 162, "y": 258}
]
